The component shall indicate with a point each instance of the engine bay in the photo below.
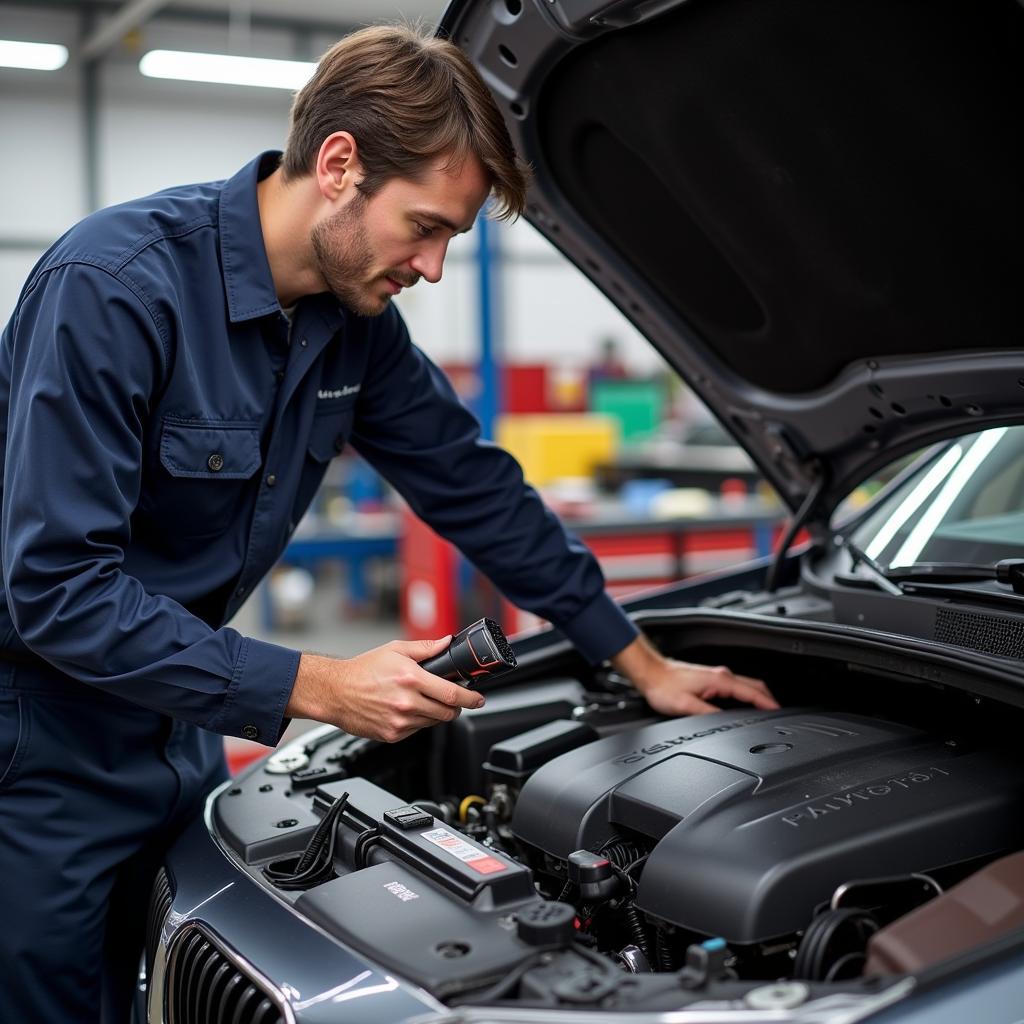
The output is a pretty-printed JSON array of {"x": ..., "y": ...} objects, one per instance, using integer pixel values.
[{"x": 562, "y": 846}]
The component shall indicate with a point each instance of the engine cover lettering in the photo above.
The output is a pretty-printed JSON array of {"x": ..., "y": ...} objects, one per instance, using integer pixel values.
[
  {"x": 662, "y": 745},
  {"x": 841, "y": 801},
  {"x": 404, "y": 893}
]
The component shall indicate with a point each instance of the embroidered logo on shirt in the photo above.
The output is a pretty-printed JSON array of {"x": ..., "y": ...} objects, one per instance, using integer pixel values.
[{"x": 348, "y": 389}]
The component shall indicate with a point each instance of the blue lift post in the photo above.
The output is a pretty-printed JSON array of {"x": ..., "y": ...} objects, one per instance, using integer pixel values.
[{"x": 488, "y": 402}]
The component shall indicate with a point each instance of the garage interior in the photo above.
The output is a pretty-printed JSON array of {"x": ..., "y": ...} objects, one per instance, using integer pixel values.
[
  {"x": 858, "y": 841},
  {"x": 554, "y": 372}
]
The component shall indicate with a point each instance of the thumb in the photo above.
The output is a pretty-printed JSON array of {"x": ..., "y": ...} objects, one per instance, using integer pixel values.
[{"x": 420, "y": 650}]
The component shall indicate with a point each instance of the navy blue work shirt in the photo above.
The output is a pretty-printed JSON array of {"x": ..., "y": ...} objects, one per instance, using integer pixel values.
[{"x": 164, "y": 438}]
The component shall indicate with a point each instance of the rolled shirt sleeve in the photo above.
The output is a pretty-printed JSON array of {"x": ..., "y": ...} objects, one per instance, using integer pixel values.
[
  {"x": 85, "y": 357},
  {"x": 413, "y": 429}
]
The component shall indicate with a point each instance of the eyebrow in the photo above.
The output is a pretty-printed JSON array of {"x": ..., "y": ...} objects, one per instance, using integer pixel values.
[{"x": 443, "y": 221}]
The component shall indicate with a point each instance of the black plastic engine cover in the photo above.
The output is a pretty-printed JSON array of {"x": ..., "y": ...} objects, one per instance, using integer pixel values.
[{"x": 756, "y": 817}]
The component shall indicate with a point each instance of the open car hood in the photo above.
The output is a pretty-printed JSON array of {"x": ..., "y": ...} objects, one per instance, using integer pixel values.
[{"x": 812, "y": 210}]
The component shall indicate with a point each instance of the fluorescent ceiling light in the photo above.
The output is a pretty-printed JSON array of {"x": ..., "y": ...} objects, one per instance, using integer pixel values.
[
  {"x": 227, "y": 70},
  {"x": 35, "y": 56}
]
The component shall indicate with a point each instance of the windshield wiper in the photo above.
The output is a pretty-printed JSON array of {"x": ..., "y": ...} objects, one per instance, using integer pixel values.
[
  {"x": 1008, "y": 571},
  {"x": 874, "y": 571}
]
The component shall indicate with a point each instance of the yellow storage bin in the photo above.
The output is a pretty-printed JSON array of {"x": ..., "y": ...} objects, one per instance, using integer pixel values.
[{"x": 553, "y": 446}]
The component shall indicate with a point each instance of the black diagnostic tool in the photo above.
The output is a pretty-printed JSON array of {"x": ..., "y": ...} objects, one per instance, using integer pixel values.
[{"x": 478, "y": 652}]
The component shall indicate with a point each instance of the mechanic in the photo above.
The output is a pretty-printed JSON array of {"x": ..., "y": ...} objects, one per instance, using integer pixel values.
[{"x": 178, "y": 372}]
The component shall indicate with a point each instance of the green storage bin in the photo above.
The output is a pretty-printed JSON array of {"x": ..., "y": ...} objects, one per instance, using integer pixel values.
[{"x": 638, "y": 405}]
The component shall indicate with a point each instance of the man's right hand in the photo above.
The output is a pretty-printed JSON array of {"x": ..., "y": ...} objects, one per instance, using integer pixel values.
[{"x": 383, "y": 694}]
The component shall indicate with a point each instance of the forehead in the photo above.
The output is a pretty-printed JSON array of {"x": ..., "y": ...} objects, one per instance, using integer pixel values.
[{"x": 450, "y": 190}]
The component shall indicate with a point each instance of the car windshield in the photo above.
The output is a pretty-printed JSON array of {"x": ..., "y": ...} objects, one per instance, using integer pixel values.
[{"x": 963, "y": 505}]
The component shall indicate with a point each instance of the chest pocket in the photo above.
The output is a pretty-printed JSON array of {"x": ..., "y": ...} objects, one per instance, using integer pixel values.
[
  {"x": 332, "y": 425},
  {"x": 205, "y": 466}
]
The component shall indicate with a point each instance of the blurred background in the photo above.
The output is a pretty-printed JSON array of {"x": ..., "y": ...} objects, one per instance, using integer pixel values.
[{"x": 122, "y": 99}]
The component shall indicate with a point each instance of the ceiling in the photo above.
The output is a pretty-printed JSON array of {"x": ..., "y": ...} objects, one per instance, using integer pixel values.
[
  {"x": 112, "y": 21},
  {"x": 319, "y": 13},
  {"x": 325, "y": 11}
]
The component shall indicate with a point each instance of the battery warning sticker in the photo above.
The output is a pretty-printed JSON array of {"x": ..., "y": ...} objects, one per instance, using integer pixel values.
[{"x": 473, "y": 857}]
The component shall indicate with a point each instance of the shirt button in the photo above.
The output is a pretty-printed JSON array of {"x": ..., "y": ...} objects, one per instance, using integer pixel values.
[
  {"x": 271, "y": 480},
  {"x": 279, "y": 375},
  {"x": 250, "y": 732},
  {"x": 303, "y": 343},
  {"x": 240, "y": 591},
  {"x": 215, "y": 462}
]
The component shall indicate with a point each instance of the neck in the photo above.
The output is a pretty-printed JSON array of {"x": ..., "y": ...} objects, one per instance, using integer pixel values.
[{"x": 286, "y": 219}]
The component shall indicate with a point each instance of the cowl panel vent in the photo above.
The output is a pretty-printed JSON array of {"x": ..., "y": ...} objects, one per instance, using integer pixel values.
[{"x": 988, "y": 634}]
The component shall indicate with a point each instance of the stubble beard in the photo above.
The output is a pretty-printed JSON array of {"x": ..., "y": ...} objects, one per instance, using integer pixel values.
[{"x": 344, "y": 258}]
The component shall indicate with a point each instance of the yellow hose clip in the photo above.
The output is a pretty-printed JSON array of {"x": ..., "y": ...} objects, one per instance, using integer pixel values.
[{"x": 466, "y": 804}]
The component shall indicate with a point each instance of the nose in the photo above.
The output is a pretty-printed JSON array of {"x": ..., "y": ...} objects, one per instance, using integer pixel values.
[{"x": 429, "y": 261}]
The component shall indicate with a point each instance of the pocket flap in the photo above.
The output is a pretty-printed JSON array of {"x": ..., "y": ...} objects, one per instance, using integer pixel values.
[
  {"x": 213, "y": 451},
  {"x": 330, "y": 430}
]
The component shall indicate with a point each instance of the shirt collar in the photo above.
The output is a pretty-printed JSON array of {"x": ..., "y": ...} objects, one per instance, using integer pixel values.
[{"x": 248, "y": 283}]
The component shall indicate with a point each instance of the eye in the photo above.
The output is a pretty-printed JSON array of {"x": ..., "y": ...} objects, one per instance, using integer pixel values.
[{"x": 423, "y": 230}]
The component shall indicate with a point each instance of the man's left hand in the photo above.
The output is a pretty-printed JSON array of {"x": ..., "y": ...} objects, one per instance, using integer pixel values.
[{"x": 681, "y": 688}]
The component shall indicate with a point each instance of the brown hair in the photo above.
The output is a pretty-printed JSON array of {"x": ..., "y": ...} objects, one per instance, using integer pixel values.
[{"x": 407, "y": 98}]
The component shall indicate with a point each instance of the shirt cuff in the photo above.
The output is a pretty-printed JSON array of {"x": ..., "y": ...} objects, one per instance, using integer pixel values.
[
  {"x": 260, "y": 687},
  {"x": 600, "y": 630}
]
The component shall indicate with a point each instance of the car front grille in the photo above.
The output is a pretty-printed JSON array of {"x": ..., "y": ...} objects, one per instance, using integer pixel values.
[
  {"x": 160, "y": 900},
  {"x": 205, "y": 985}
]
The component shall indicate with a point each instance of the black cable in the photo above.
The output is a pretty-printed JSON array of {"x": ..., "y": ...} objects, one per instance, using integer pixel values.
[
  {"x": 367, "y": 838},
  {"x": 822, "y": 940},
  {"x": 597, "y": 959},
  {"x": 637, "y": 929},
  {"x": 634, "y": 922},
  {"x": 849, "y": 966},
  {"x": 503, "y": 985},
  {"x": 633, "y": 865},
  {"x": 663, "y": 952},
  {"x": 621, "y": 852},
  {"x": 315, "y": 864},
  {"x": 320, "y": 836}
]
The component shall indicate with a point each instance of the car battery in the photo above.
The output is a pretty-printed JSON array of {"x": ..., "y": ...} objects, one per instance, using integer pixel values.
[{"x": 376, "y": 826}]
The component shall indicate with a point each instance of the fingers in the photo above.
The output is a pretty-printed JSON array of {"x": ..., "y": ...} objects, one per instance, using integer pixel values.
[
  {"x": 421, "y": 700},
  {"x": 756, "y": 683},
  {"x": 760, "y": 698},
  {"x": 742, "y": 688},
  {"x": 449, "y": 694},
  {"x": 691, "y": 705},
  {"x": 420, "y": 650},
  {"x": 396, "y": 735},
  {"x": 400, "y": 723}
]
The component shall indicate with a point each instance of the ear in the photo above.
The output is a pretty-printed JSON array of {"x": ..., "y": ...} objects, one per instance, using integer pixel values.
[{"x": 337, "y": 167}]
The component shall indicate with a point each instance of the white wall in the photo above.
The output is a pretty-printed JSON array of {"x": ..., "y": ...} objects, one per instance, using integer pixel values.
[{"x": 153, "y": 134}]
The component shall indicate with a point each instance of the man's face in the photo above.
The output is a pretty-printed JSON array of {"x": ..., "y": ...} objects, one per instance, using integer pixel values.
[{"x": 372, "y": 248}]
